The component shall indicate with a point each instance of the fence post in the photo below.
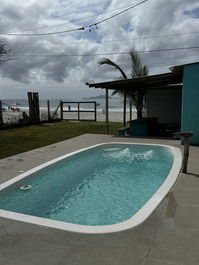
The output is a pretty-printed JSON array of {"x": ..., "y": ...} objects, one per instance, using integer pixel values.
[
  {"x": 1, "y": 115},
  {"x": 61, "y": 110},
  {"x": 36, "y": 107},
  {"x": 33, "y": 101},
  {"x": 48, "y": 106},
  {"x": 31, "y": 112},
  {"x": 78, "y": 111},
  {"x": 95, "y": 111}
]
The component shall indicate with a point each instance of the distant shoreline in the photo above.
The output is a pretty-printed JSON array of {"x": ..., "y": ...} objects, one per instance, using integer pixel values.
[
  {"x": 114, "y": 116},
  {"x": 100, "y": 97}
]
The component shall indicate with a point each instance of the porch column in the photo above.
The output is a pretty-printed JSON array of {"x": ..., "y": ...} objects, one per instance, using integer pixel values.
[
  {"x": 124, "y": 114},
  {"x": 107, "y": 118},
  {"x": 130, "y": 109}
]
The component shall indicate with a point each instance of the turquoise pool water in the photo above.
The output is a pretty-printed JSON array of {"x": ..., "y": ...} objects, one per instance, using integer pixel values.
[{"x": 101, "y": 186}]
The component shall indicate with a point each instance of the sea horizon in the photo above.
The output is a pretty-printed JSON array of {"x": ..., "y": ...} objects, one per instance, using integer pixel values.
[{"x": 115, "y": 104}]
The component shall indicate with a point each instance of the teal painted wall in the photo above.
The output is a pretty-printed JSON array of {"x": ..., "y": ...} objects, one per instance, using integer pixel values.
[{"x": 190, "y": 101}]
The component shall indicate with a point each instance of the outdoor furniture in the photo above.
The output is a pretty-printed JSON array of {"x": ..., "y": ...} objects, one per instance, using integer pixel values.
[
  {"x": 123, "y": 131},
  {"x": 141, "y": 127}
]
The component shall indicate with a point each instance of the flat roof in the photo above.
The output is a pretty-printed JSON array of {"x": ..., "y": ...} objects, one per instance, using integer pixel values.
[{"x": 152, "y": 81}]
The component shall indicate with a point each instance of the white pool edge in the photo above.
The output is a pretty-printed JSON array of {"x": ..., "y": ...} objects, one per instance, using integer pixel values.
[{"x": 135, "y": 220}]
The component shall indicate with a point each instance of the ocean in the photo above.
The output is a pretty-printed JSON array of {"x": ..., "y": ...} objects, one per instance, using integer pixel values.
[{"x": 115, "y": 105}]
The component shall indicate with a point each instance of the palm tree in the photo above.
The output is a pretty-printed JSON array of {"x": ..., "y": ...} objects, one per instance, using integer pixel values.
[
  {"x": 3, "y": 51},
  {"x": 136, "y": 95}
]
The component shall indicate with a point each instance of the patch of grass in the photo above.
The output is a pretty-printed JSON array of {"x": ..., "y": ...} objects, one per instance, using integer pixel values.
[{"x": 18, "y": 140}]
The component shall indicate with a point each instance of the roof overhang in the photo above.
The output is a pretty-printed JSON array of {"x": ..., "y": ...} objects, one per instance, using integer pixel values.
[
  {"x": 153, "y": 81},
  {"x": 178, "y": 69}
]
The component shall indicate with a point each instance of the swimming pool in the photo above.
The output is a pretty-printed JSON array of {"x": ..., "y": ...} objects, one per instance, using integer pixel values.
[{"x": 103, "y": 188}]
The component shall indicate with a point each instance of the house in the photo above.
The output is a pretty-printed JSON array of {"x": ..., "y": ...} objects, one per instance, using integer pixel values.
[{"x": 171, "y": 97}]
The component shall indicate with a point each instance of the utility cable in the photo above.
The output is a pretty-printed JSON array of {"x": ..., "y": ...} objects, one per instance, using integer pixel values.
[
  {"x": 99, "y": 54},
  {"x": 139, "y": 38},
  {"x": 76, "y": 20},
  {"x": 75, "y": 29},
  {"x": 106, "y": 19}
]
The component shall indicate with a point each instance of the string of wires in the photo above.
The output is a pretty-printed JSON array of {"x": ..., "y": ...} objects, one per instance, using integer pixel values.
[
  {"x": 99, "y": 54},
  {"x": 76, "y": 20},
  {"x": 134, "y": 39},
  {"x": 75, "y": 29}
]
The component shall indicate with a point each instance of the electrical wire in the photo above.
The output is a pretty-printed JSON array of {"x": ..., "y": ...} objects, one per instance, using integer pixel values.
[
  {"x": 106, "y": 19},
  {"x": 75, "y": 29},
  {"x": 99, "y": 54},
  {"x": 133, "y": 39},
  {"x": 76, "y": 20}
]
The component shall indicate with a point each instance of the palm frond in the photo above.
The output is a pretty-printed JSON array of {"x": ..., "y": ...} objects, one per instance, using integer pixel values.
[
  {"x": 145, "y": 70},
  {"x": 118, "y": 92},
  {"x": 115, "y": 66},
  {"x": 137, "y": 68}
]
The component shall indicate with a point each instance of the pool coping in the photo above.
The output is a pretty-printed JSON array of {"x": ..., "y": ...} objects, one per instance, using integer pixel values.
[{"x": 134, "y": 221}]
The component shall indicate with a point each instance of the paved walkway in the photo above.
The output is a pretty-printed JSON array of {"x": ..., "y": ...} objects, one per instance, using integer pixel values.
[{"x": 170, "y": 236}]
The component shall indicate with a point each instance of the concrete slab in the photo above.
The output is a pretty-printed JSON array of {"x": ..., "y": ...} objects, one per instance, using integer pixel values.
[
  {"x": 190, "y": 195},
  {"x": 177, "y": 246},
  {"x": 182, "y": 217},
  {"x": 158, "y": 262},
  {"x": 190, "y": 181},
  {"x": 169, "y": 236}
]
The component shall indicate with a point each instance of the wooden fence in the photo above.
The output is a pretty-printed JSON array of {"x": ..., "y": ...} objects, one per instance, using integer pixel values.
[
  {"x": 78, "y": 111},
  {"x": 64, "y": 107}
]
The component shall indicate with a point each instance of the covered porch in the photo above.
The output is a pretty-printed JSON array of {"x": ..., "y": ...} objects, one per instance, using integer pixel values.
[{"x": 163, "y": 94}]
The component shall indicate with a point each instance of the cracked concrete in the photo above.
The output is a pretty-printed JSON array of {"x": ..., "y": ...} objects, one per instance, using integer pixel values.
[{"x": 170, "y": 236}]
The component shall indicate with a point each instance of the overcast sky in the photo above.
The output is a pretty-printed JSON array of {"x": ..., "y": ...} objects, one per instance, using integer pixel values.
[{"x": 65, "y": 76}]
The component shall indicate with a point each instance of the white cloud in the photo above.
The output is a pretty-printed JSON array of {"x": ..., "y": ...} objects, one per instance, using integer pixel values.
[{"x": 66, "y": 76}]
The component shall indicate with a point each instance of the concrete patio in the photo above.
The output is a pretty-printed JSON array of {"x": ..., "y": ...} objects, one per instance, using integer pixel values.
[{"x": 169, "y": 236}]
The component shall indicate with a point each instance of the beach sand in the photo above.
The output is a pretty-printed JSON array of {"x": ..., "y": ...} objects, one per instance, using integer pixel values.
[{"x": 13, "y": 116}]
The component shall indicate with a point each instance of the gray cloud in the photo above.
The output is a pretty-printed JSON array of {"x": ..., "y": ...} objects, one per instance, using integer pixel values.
[{"x": 151, "y": 19}]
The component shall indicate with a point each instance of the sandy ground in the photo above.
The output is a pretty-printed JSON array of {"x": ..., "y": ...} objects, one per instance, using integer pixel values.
[{"x": 13, "y": 116}]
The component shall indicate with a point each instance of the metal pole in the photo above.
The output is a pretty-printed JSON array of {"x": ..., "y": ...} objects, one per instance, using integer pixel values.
[
  {"x": 78, "y": 111},
  {"x": 107, "y": 118},
  {"x": 1, "y": 115},
  {"x": 95, "y": 111},
  {"x": 185, "y": 154},
  {"x": 185, "y": 139},
  {"x": 130, "y": 109},
  {"x": 48, "y": 106},
  {"x": 124, "y": 114}
]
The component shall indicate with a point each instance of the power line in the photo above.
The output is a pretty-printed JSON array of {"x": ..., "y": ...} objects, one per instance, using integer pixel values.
[
  {"x": 106, "y": 19},
  {"x": 139, "y": 38},
  {"x": 75, "y": 29},
  {"x": 133, "y": 39},
  {"x": 41, "y": 34},
  {"x": 76, "y": 20},
  {"x": 100, "y": 54}
]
